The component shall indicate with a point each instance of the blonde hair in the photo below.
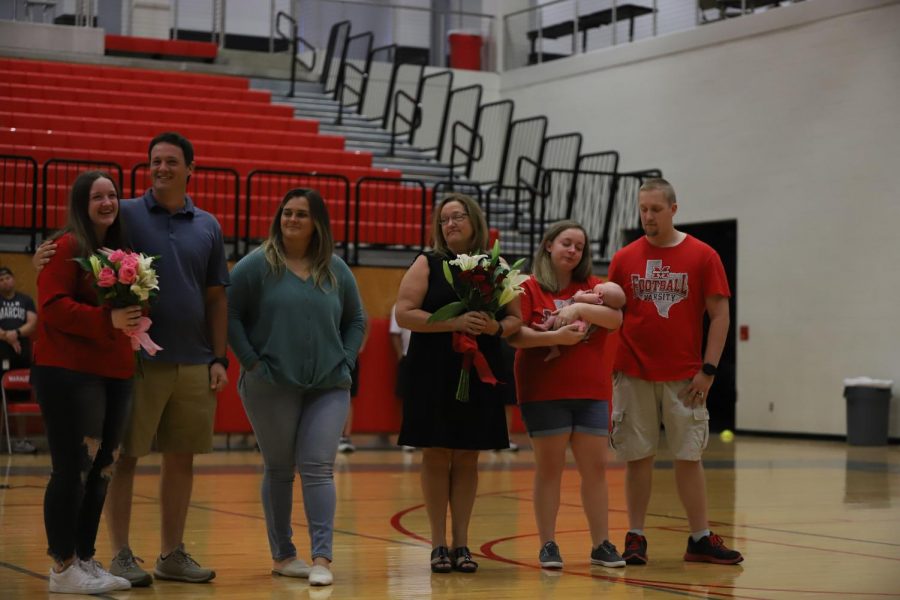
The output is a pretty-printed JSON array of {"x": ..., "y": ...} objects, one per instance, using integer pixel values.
[
  {"x": 321, "y": 246},
  {"x": 476, "y": 219},
  {"x": 542, "y": 266},
  {"x": 661, "y": 185}
]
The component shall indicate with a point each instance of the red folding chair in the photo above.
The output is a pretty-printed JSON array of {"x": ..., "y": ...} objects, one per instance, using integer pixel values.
[{"x": 17, "y": 380}]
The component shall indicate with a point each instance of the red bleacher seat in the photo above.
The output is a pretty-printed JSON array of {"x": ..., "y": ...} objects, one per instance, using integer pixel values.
[
  {"x": 172, "y": 77},
  {"x": 158, "y": 48},
  {"x": 172, "y": 117},
  {"x": 54, "y": 110}
]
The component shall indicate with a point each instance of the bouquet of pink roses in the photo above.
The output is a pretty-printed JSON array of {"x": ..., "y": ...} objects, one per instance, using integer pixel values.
[
  {"x": 123, "y": 278},
  {"x": 482, "y": 283}
]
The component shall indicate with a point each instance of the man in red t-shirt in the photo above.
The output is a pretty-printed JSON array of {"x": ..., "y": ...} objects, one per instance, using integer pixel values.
[{"x": 670, "y": 279}]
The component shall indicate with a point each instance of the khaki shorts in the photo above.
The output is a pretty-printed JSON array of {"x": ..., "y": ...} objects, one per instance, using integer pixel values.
[
  {"x": 174, "y": 404},
  {"x": 639, "y": 406}
]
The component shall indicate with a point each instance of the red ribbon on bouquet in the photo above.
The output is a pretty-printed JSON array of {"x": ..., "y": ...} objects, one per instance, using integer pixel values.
[
  {"x": 141, "y": 339},
  {"x": 466, "y": 345}
]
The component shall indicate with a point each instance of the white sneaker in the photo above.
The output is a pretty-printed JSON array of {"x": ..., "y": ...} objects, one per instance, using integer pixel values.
[
  {"x": 408, "y": 448},
  {"x": 75, "y": 580},
  {"x": 345, "y": 446},
  {"x": 320, "y": 575},
  {"x": 295, "y": 568},
  {"x": 93, "y": 567}
]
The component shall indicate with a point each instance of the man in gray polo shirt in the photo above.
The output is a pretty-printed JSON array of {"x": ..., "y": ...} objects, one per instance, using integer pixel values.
[{"x": 175, "y": 391}]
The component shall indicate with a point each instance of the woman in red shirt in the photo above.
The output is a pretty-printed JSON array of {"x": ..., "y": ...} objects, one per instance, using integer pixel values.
[
  {"x": 83, "y": 363},
  {"x": 565, "y": 399}
]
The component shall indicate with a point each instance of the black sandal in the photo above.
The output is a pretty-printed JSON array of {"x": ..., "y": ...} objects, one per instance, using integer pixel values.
[
  {"x": 440, "y": 560},
  {"x": 462, "y": 560}
]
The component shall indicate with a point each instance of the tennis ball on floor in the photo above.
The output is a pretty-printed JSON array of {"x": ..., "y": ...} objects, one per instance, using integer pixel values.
[{"x": 727, "y": 436}]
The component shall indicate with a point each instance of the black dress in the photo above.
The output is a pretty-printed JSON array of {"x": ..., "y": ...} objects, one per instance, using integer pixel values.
[{"x": 432, "y": 416}]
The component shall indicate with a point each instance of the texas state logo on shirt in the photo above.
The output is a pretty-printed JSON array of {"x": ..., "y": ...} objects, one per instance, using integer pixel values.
[{"x": 660, "y": 286}]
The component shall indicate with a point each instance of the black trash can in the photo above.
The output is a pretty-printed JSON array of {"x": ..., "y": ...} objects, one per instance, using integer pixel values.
[{"x": 868, "y": 408}]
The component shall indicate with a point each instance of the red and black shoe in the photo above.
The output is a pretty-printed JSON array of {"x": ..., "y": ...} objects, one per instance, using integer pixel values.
[
  {"x": 635, "y": 552},
  {"x": 711, "y": 549}
]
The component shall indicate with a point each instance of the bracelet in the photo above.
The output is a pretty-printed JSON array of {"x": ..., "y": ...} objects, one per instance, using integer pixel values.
[
  {"x": 499, "y": 333},
  {"x": 222, "y": 360}
]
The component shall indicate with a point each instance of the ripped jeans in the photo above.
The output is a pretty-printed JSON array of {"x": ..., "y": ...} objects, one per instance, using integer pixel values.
[{"x": 85, "y": 417}]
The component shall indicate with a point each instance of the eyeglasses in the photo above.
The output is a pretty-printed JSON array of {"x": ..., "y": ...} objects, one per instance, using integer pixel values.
[{"x": 455, "y": 217}]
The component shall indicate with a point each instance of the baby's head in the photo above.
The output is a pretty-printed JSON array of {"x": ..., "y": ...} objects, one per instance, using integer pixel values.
[{"x": 613, "y": 296}]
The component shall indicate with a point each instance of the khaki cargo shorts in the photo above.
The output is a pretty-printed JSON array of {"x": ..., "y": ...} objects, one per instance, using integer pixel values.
[
  {"x": 174, "y": 404},
  {"x": 639, "y": 406}
]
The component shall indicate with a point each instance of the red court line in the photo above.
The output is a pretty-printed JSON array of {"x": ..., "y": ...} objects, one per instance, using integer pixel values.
[
  {"x": 487, "y": 549},
  {"x": 486, "y": 552},
  {"x": 739, "y": 526}
]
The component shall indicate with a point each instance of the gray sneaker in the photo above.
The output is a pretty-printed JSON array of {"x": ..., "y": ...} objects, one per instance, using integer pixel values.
[
  {"x": 125, "y": 565},
  {"x": 606, "y": 554},
  {"x": 179, "y": 566},
  {"x": 549, "y": 556}
]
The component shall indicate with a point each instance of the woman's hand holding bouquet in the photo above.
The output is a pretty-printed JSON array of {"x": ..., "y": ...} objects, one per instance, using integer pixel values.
[
  {"x": 484, "y": 284},
  {"x": 125, "y": 281}
]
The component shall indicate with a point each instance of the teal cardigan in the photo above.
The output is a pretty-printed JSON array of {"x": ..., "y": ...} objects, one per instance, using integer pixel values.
[{"x": 300, "y": 334}]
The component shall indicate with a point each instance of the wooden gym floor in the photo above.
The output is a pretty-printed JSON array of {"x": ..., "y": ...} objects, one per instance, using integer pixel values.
[{"x": 814, "y": 519}]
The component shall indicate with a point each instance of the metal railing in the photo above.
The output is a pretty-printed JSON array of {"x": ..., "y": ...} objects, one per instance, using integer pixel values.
[
  {"x": 470, "y": 152},
  {"x": 344, "y": 86},
  {"x": 390, "y": 216},
  {"x": 494, "y": 121},
  {"x": 19, "y": 196},
  {"x": 463, "y": 106},
  {"x": 371, "y": 213},
  {"x": 563, "y": 28},
  {"x": 294, "y": 39},
  {"x": 338, "y": 40},
  {"x": 412, "y": 121},
  {"x": 437, "y": 90}
]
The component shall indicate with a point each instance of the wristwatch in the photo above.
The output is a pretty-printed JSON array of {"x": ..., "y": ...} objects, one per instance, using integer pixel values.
[
  {"x": 499, "y": 333},
  {"x": 709, "y": 369},
  {"x": 222, "y": 360}
]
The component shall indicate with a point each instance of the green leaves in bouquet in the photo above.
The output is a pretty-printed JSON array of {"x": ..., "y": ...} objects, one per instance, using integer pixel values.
[
  {"x": 448, "y": 275},
  {"x": 447, "y": 312}
]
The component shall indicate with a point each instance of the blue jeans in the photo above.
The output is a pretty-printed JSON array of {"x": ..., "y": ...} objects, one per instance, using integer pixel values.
[
  {"x": 78, "y": 407},
  {"x": 296, "y": 429}
]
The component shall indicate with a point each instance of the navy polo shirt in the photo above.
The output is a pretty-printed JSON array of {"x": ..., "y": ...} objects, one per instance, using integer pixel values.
[{"x": 191, "y": 255}]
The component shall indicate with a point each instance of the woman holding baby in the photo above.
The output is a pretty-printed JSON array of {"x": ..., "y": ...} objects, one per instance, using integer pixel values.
[{"x": 564, "y": 385}]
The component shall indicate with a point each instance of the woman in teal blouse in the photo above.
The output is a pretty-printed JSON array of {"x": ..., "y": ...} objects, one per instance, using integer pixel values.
[{"x": 296, "y": 324}]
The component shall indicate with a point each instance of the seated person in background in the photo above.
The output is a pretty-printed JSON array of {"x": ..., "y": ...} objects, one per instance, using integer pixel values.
[
  {"x": 18, "y": 320},
  {"x": 607, "y": 294}
]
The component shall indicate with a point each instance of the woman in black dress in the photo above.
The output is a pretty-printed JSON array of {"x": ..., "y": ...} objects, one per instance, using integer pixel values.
[{"x": 450, "y": 432}]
